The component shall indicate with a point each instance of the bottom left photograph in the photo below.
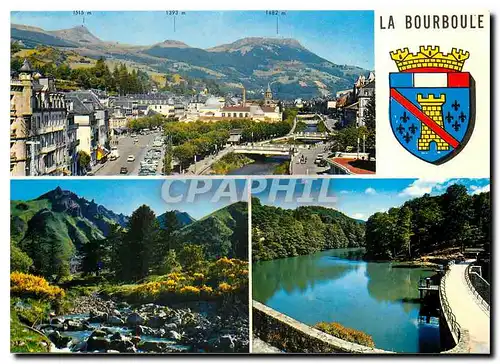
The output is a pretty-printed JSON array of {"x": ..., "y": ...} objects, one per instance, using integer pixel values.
[{"x": 129, "y": 266}]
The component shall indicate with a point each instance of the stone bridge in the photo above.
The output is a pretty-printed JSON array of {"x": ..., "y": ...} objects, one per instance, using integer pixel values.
[
  {"x": 271, "y": 149},
  {"x": 310, "y": 136}
]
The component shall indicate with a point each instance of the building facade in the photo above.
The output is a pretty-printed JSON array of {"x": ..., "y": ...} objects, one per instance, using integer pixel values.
[{"x": 38, "y": 125}]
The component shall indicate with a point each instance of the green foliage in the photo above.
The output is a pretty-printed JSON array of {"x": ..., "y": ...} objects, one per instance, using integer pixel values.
[
  {"x": 57, "y": 64},
  {"x": 346, "y": 333},
  {"x": 191, "y": 256},
  {"x": 93, "y": 251},
  {"x": 370, "y": 124},
  {"x": 279, "y": 233},
  {"x": 171, "y": 264},
  {"x": 138, "y": 249},
  {"x": 19, "y": 260},
  {"x": 14, "y": 47},
  {"x": 229, "y": 162},
  {"x": 30, "y": 311},
  {"x": 24, "y": 340},
  {"x": 83, "y": 159},
  {"x": 222, "y": 233},
  {"x": 282, "y": 168},
  {"x": 427, "y": 224},
  {"x": 47, "y": 242},
  {"x": 48, "y": 238},
  {"x": 201, "y": 139},
  {"x": 148, "y": 122}
]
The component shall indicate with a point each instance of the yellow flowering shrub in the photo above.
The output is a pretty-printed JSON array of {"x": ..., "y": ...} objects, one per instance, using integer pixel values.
[
  {"x": 190, "y": 290},
  {"x": 207, "y": 289},
  {"x": 28, "y": 284},
  {"x": 224, "y": 287},
  {"x": 222, "y": 276},
  {"x": 345, "y": 333}
]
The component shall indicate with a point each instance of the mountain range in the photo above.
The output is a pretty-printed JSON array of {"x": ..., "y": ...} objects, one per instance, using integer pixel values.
[
  {"x": 58, "y": 223},
  {"x": 291, "y": 69}
]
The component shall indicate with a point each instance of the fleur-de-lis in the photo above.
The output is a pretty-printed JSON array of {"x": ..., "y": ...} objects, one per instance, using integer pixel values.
[
  {"x": 404, "y": 118},
  {"x": 462, "y": 116},
  {"x": 407, "y": 137},
  {"x": 449, "y": 118}
]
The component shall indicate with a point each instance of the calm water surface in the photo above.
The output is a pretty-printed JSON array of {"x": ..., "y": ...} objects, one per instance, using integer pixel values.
[
  {"x": 262, "y": 166},
  {"x": 336, "y": 285}
]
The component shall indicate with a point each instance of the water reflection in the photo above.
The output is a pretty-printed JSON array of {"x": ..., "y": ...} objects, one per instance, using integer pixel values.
[
  {"x": 296, "y": 274},
  {"x": 336, "y": 285}
]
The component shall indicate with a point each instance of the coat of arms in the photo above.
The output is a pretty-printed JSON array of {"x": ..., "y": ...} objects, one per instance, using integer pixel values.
[{"x": 432, "y": 102}]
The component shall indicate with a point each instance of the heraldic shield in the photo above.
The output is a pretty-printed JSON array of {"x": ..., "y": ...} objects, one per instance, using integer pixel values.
[{"x": 432, "y": 103}]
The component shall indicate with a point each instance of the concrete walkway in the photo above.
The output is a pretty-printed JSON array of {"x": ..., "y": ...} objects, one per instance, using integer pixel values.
[
  {"x": 261, "y": 347},
  {"x": 467, "y": 310}
]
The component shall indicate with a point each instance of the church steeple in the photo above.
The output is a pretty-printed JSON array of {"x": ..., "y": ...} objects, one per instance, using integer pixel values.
[{"x": 268, "y": 96}]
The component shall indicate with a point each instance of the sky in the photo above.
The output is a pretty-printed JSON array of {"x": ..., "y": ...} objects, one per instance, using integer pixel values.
[
  {"x": 126, "y": 195},
  {"x": 342, "y": 37},
  {"x": 361, "y": 197},
  {"x": 356, "y": 197}
]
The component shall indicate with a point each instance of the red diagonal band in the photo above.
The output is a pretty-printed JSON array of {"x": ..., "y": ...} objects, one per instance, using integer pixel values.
[{"x": 408, "y": 105}]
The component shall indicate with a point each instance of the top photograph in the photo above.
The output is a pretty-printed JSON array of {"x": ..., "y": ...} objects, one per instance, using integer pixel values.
[{"x": 107, "y": 93}]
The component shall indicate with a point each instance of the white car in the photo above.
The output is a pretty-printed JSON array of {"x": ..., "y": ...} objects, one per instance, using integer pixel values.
[{"x": 130, "y": 158}]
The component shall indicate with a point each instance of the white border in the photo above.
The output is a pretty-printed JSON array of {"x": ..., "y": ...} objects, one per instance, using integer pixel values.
[{"x": 195, "y": 5}]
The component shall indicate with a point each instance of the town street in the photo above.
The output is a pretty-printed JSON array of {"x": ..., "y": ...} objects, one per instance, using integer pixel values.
[
  {"x": 309, "y": 167},
  {"x": 126, "y": 147}
]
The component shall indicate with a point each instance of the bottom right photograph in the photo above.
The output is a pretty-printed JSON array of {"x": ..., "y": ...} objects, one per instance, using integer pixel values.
[{"x": 371, "y": 266}]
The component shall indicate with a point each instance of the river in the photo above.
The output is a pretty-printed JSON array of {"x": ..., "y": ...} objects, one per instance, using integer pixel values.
[
  {"x": 261, "y": 166},
  {"x": 266, "y": 165},
  {"x": 337, "y": 286}
]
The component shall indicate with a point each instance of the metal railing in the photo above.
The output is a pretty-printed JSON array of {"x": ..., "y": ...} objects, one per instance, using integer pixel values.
[
  {"x": 479, "y": 288},
  {"x": 449, "y": 315}
]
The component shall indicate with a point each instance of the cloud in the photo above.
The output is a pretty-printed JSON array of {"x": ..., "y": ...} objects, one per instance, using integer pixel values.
[
  {"x": 422, "y": 186},
  {"x": 359, "y": 215},
  {"x": 370, "y": 191},
  {"x": 344, "y": 192},
  {"x": 477, "y": 190}
]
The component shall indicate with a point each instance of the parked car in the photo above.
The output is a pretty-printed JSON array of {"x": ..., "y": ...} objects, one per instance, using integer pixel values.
[
  {"x": 124, "y": 170},
  {"x": 131, "y": 158}
]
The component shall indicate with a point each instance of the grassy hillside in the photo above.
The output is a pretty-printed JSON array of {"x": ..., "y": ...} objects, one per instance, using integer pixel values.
[{"x": 222, "y": 233}]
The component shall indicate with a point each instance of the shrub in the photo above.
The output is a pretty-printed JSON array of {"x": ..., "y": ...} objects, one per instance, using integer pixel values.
[
  {"x": 189, "y": 290},
  {"x": 224, "y": 287},
  {"x": 22, "y": 284},
  {"x": 345, "y": 333},
  {"x": 19, "y": 260}
]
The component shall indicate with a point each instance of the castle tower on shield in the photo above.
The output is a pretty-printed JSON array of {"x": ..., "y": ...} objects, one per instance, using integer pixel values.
[{"x": 432, "y": 106}]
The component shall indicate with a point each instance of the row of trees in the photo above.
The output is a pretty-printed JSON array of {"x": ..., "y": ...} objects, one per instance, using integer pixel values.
[
  {"x": 149, "y": 122},
  {"x": 147, "y": 247},
  {"x": 349, "y": 135},
  {"x": 279, "y": 233},
  {"x": 426, "y": 224},
  {"x": 119, "y": 80},
  {"x": 143, "y": 248},
  {"x": 201, "y": 139}
]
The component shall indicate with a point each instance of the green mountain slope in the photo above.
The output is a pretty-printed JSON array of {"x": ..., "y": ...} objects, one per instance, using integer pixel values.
[
  {"x": 222, "y": 233},
  {"x": 280, "y": 233},
  {"x": 53, "y": 227},
  {"x": 293, "y": 70}
]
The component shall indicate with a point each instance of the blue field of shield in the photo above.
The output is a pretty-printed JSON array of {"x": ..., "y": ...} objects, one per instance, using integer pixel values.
[{"x": 455, "y": 113}]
